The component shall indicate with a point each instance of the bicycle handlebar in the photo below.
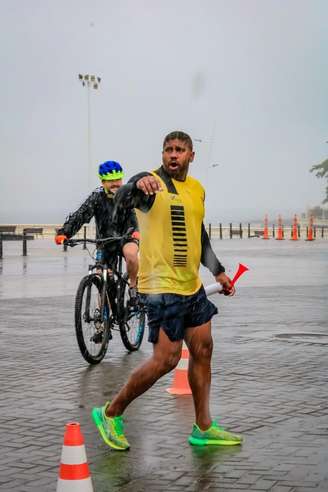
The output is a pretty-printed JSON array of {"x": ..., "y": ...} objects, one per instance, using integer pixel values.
[
  {"x": 75, "y": 242},
  {"x": 111, "y": 239}
]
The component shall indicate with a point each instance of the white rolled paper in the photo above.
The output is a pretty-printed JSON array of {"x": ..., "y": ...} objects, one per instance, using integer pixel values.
[{"x": 213, "y": 288}]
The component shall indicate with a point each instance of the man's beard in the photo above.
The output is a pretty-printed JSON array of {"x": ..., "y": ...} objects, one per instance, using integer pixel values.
[{"x": 179, "y": 173}]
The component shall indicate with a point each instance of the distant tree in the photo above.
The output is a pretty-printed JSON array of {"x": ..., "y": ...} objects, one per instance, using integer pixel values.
[
  {"x": 316, "y": 212},
  {"x": 321, "y": 172}
]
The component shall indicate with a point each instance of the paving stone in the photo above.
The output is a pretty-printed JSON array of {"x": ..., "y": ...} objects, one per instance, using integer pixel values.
[{"x": 275, "y": 392}]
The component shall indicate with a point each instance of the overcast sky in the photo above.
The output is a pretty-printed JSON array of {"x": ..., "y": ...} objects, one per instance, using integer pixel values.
[{"x": 247, "y": 77}]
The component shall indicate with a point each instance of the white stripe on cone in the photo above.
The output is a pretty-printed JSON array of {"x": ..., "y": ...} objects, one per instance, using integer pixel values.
[
  {"x": 73, "y": 455},
  {"x": 183, "y": 363},
  {"x": 84, "y": 485},
  {"x": 180, "y": 383}
]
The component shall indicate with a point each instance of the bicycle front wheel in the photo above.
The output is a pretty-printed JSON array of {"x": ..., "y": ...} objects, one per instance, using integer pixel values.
[
  {"x": 132, "y": 320},
  {"x": 92, "y": 325}
]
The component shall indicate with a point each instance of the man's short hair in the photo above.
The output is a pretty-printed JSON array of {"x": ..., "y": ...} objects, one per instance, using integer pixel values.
[{"x": 179, "y": 135}]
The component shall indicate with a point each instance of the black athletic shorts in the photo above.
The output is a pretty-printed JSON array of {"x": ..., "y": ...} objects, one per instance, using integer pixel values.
[{"x": 174, "y": 313}]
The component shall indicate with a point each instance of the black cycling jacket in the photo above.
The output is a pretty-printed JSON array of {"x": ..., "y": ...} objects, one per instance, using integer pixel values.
[{"x": 100, "y": 205}]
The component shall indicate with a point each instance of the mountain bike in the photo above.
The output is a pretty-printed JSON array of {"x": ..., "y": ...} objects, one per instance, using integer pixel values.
[{"x": 102, "y": 305}]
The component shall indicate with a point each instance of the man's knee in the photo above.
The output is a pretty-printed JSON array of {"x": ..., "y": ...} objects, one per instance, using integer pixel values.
[
  {"x": 202, "y": 350},
  {"x": 168, "y": 361}
]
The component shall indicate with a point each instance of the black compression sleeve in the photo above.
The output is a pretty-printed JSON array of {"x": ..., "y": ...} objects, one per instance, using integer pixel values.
[
  {"x": 140, "y": 200},
  {"x": 129, "y": 196},
  {"x": 208, "y": 257}
]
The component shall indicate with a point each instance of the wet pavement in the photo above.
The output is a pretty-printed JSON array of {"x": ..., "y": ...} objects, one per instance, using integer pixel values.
[{"x": 269, "y": 379}]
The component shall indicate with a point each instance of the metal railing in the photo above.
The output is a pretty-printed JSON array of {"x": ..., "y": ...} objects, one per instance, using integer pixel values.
[{"x": 24, "y": 233}]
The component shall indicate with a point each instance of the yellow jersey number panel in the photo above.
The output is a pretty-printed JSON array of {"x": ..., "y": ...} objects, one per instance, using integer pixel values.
[{"x": 170, "y": 245}]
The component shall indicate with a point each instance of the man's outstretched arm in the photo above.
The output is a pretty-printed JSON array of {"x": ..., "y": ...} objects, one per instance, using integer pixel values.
[{"x": 139, "y": 192}]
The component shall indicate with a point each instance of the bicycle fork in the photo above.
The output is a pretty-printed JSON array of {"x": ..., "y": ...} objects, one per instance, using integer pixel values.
[
  {"x": 101, "y": 301},
  {"x": 87, "y": 304},
  {"x": 103, "y": 304}
]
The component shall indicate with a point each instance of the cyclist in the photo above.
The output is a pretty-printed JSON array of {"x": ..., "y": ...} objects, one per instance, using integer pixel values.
[
  {"x": 100, "y": 205},
  {"x": 170, "y": 209}
]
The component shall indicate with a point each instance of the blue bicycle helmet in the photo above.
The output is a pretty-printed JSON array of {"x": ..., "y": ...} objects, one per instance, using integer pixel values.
[{"x": 110, "y": 170}]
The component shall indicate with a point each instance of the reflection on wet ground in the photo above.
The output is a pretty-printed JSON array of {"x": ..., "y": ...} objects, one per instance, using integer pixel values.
[{"x": 271, "y": 390}]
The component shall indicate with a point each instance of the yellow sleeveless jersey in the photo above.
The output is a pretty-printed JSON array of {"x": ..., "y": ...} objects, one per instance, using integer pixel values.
[{"x": 170, "y": 244}]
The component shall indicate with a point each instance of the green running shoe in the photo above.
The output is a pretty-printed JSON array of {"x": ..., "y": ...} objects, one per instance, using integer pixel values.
[
  {"x": 215, "y": 435},
  {"x": 110, "y": 428}
]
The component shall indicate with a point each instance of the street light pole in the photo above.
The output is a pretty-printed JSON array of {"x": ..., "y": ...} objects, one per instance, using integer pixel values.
[{"x": 90, "y": 82}]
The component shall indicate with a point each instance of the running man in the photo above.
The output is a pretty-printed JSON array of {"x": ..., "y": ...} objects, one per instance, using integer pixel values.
[{"x": 170, "y": 211}]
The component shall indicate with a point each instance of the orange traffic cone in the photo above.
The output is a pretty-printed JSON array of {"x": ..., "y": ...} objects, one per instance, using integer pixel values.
[
  {"x": 280, "y": 231},
  {"x": 74, "y": 474},
  {"x": 310, "y": 236},
  {"x": 266, "y": 228},
  {"x": 294, "y": 229},
  {"x": 180, "y": 384}
]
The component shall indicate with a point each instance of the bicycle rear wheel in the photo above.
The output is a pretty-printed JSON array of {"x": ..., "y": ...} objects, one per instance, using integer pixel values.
[
  {"x": 132, "y": 321},
  {"x": 92, "y": 324}
]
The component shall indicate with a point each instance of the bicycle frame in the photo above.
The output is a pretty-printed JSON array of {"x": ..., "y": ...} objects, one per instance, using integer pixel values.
[
  {"x": 101, "y": 303},
  {"x": 109, "y": 284}
]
